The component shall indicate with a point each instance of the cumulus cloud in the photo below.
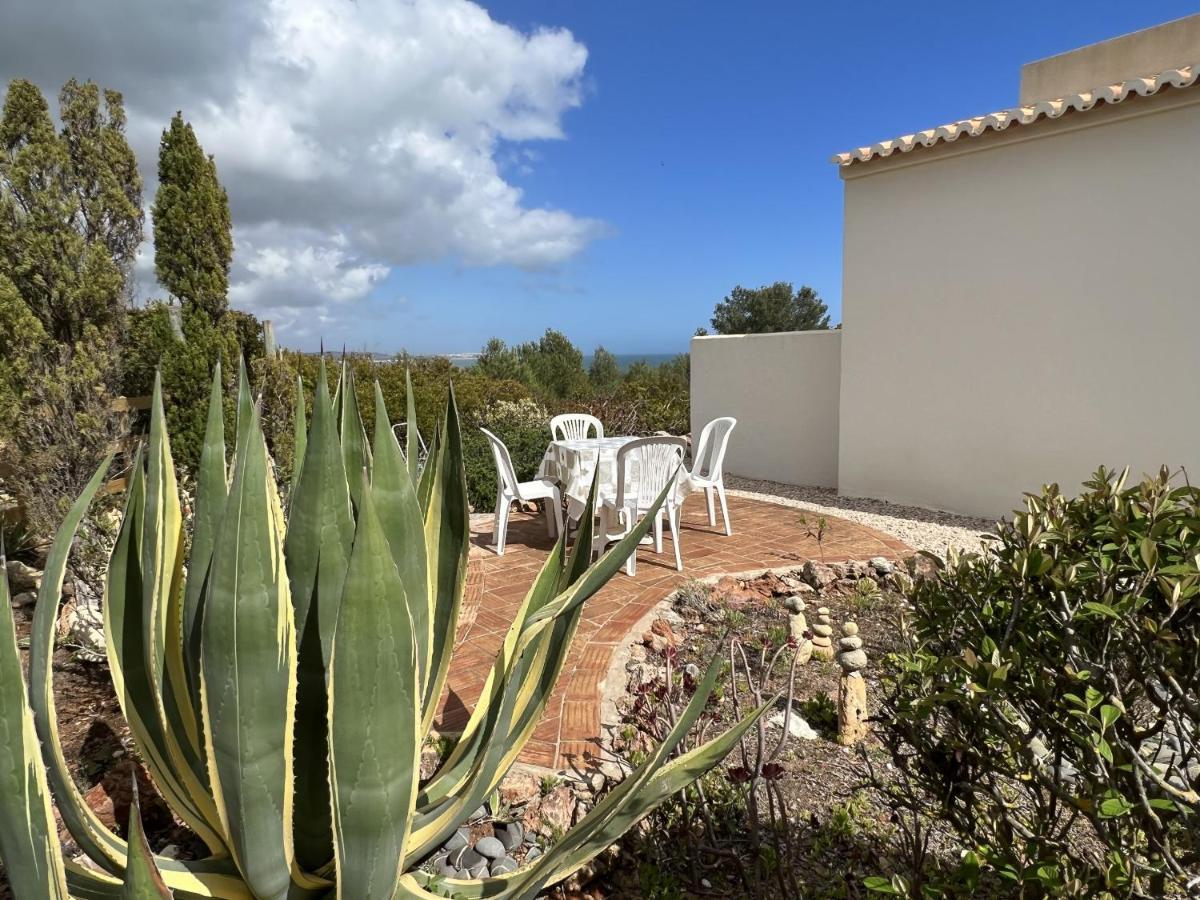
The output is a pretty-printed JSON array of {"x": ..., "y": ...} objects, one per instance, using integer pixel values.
[{"x": 352, "y": 137}]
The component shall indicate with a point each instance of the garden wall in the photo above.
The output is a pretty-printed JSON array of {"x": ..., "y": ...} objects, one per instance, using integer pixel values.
[{"x": 783, "y": 390}]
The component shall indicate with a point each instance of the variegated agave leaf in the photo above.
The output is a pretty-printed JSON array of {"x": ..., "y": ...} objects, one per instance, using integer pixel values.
[{"x": 281, "y": 692}]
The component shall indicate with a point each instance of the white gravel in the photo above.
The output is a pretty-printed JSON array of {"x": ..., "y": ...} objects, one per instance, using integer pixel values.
[{"x": 921, "y": 529}]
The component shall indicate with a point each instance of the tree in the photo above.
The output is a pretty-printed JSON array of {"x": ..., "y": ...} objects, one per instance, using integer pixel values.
[
  {"x": 70, "y": 207},
  {"x": 193, "y": 232},
  {"x": 774, "y": 307},
  {"x": 498, "y": 360},
  {"x": 555, "y": 364},
  {"x": 605, "y": 373}
]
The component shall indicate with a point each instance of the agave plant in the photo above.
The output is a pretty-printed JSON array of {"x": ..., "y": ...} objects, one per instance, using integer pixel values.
[{"x": 279, "y": 687}]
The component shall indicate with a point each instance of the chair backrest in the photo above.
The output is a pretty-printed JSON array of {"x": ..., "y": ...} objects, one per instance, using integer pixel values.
[
  {"x": 575, "y": 426},
  {"x": 658, "y": 460},
  {"x": 710, "y": 449},
  {"x": 505, "y": 474},
  {"x": 400, "y": 429}
]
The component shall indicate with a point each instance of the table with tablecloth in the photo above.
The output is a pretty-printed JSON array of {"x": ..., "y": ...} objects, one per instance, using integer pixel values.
[{"x": 573, "y": 463}]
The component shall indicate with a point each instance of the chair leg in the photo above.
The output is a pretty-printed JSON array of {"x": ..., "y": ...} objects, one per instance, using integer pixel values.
[
  {"x": 549, "y": 518},
  {"x": 502, "y": 512},
  {"x": 712, "y": 513},
  {"x": 658, "y": 531},
  {"x": 673, "y": 521},
  {"x": 724, "y": 508},
  {"x": 631, "y": 563},
  {"x": 558, "y": 512}
]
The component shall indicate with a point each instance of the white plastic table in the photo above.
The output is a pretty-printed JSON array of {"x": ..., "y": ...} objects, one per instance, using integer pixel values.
[{"x": 573, "y": 463}]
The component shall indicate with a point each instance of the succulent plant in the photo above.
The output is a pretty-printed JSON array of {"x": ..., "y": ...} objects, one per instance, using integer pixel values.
[{"x": 280, "y": 686}]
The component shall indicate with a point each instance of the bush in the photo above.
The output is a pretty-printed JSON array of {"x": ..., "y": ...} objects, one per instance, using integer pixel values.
[
  {"x": 1047, "y": 703},
  {"x": 524, "y": 426}
]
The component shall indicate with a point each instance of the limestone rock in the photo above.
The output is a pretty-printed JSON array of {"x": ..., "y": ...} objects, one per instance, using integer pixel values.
[
  {"x": 552, "y": 814},
  {"x": 822, "y": 635},
  {"x": 797, "y": 726},
  {"x": 881, "y": 565},
  {"x": 25, "y": 598},
  {"x": 22, "y": 577},
  {"x": 852, "y": 709},
  {"x": 519, "y": 786},
  {"x": 818, "y": 575}
]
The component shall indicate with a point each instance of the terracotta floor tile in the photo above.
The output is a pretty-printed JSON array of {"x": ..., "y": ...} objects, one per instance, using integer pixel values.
[{"x": 765, "y": 535}]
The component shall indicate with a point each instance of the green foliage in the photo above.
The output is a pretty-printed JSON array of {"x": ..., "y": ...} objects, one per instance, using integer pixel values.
[
  {"x": 772, "y": 307},
  {"x": 281, "y": 684},
  {"x": 497, "y": 360},
  {"x": 604, "y": 372},
  {"x": 555, "y": 366},
  {"x": 193, "y": 233},
  {"x": 70, "y": 207},
  {"x": 1045, "y": 706},
  {"x": 524, "y": 428}
]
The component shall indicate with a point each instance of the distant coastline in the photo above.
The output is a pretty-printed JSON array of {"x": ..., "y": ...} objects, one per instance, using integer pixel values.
[{"x": 624, "y": 360}]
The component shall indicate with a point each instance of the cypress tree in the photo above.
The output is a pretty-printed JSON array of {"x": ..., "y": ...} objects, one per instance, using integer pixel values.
[{"x": 193, "y": 239}]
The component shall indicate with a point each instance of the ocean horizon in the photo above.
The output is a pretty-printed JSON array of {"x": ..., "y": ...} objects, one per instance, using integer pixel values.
[{"x": 624, "y": 360}]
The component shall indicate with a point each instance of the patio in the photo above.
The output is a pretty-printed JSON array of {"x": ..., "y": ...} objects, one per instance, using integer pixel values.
[{"x": 766, "y": 535}]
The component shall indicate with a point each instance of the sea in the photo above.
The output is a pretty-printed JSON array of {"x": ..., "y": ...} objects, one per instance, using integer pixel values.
[{"x": 624, "y": 360}]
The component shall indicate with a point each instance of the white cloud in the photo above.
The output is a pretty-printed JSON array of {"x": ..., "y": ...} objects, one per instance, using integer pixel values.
[{"x": 352, "y": 137}]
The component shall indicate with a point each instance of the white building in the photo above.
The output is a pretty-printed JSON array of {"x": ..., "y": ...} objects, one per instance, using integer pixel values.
[{"x": 1021, "y": 298}]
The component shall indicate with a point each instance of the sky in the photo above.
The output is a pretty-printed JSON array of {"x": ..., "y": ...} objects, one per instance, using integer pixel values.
[{"x": 426, "y": 174}]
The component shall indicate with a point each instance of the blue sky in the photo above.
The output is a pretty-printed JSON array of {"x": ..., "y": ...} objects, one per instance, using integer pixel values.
[
  {"x": 703, "y": 142},
  {"x": 426, "y": 174}
]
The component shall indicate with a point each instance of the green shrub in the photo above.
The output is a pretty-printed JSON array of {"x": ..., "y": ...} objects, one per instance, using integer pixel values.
[
  {"x": 1046, "y": 705},
  {"x": 524, "y": 426}
]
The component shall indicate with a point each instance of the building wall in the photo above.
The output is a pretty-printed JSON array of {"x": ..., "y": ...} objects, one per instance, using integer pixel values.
[
  {"x": 783, "y": 390},
  {"x": 1021, "y": 308}
]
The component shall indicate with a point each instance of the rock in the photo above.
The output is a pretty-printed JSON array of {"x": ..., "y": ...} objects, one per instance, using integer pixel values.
[
  {"x": 822, "y": 635},
  {"x": 852, "y": 708},
  {"x": 510, "y": 835},
  {"x": 581, "y": 810},
  {"x": 599, "y": 780},
  {"x": 534, "y": 853},
  {"x": 504, "y": 865},
  {"x": 881, "y": 565},
  {"x": 429, "y": 763},
  {"x": 448, "y": 871},
  {"x": 458, "y": 840},
  {"x": 490, "y": 848},
  {"x": 662, "y": 628},
  {"x": 818, "y": 575},
  {"x": 853, "y": 660},
  {"x": 479, "y": 870},
  {"x": 797, "y": 727},
  {"x": 464, "y": 858},
  {"x": 519, "y": 786},
  {"x": 734, "y": 592},
  {"x": 552, "y": 815},
  {"x": 920, "y": 567},
  {"x": 22, "y": 577},
  {"x": 480, "y": 813},
  {"x": 25, "y": 598},
  {"x": 692, "y": 671},
  {"x": 856, "y": 570},
  {"x": 642, "y": 673}
]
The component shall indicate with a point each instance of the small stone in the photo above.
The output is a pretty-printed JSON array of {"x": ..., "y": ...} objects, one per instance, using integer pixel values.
[
  {"x": 598, "y": 779},
  {"x": 853, "y": 660},
  {"x": 504, "y": 865},
  {"x": 662, "y": 628},
  {"x": 464, "y": 858},
  {"x": 881, "y": 565},
  {"x": 458, "y": 840},
  {"x": 25, "y": 598},
  {"x": 490, "y": 848},
  {"x": 22, "y": 577},
  {"x": 850, "y": 628},
  {"x": 171, "y": 851},
  {"x": 481, "y": 813},
  {"x": 850, "y": 643},
  {"x": 822, "y": 632},
  {"x": 534, "y": 853},
  {"x": 797, "y": 727},
  {"x": 794, "y": 604},
  {"x": 519, "y": 786},
  {"x": 692, "y": 671},
  {"x": 511, "y": 835},
  {"x": 479, "y": 870},
  {"x": 447, "y": 871}
]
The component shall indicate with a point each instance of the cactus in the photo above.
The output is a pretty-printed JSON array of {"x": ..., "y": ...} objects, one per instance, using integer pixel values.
[{"x": 280, "y": 686}]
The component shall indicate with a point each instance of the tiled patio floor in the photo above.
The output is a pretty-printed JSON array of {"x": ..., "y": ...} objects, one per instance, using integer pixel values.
[{"x": 764, "y": 536}]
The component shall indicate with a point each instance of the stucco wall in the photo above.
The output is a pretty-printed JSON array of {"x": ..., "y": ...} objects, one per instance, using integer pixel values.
[
  {"x": 1022, "y": 308},
  {"x": 783, "y": 390}
]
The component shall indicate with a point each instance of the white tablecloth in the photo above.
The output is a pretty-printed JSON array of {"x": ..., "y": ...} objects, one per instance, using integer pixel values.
[{"x": 572, "y": 463}]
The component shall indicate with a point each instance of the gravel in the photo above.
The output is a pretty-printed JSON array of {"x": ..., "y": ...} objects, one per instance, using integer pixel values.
[{"x": 921, "y": 529}]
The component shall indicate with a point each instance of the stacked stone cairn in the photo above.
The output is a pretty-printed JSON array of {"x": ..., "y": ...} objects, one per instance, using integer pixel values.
[
  {"x": 822, "y": 635},
  {"x": 798, "y": 628},
  {"x": 852, "y": 690}
]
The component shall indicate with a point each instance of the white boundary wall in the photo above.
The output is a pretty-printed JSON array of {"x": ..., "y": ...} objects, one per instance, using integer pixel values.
[{"x": 784, "y": 391}]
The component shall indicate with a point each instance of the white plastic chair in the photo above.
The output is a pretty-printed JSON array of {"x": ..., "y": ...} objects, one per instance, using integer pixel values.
[
  {"x": 509, "y": 490},
  {"x": 400, "y": 430},
  {"x": 707, "y": 466},
  {"x": 659, "y": 461},
  {"x": 575, "y": 426}
]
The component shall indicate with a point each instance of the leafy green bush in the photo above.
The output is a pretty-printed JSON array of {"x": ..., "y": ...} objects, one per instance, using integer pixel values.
[
  {"x": 524, "y": 426},
  {"x": 1046, "y": 707}
]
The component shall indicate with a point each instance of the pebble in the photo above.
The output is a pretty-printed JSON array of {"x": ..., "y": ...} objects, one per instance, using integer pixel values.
[
  {"x": 921, "y": 529},
  {"x": 479, "y": 870},
  {"x": 464, "y": 858},
  {"x": 511, "y": 835},
  {"x": 481, "y": 813},
  {"x": 504, "y": 866},
  {"x": 490, "y": 847},
  {"x": 447, "y": 870},
  {"x": 534, "y": 853},
  {"x": 458, "y": 840}
]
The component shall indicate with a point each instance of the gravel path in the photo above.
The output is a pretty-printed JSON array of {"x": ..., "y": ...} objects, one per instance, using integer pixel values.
[{"x": 921, "y": 529}]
